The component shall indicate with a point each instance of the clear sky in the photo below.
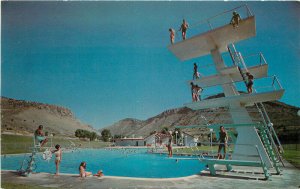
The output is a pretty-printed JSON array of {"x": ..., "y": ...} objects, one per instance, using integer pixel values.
[{"x": 108, "y": 61}]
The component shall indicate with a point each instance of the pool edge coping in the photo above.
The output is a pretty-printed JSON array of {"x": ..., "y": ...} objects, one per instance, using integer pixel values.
[{"x": 116, "y": 177}]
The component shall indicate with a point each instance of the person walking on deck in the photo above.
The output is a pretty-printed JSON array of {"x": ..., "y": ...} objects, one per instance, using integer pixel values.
[
  {"x": 235, "y": 20},
  {"x": 223, "y": 138},
  {"x": 183, "y": 28}
]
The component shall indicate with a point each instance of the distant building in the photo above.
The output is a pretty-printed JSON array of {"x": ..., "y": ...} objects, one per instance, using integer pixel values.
[
  {"x": 129, "y": 142},
  {"x": 156, "y": 139},
  {"x": 189, "y": 140}
]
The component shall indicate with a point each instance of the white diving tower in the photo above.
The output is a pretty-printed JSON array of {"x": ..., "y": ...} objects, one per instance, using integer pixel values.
[{"x": 214, "y": 42}]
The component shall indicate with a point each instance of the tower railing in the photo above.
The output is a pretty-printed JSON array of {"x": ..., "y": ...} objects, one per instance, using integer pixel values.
[
  {"x": 215, "y": 21},
  {"x": 255, "y": 59},
  {"x": 265, "y": 84}
]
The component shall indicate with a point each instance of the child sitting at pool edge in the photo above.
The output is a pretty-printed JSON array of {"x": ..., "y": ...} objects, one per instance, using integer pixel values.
[{"x": 99, "y": 174}]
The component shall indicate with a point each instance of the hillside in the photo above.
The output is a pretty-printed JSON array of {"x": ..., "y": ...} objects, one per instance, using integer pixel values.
[
  {"x": 23, "y": 117},
  {"x": 284, "y": 117}
]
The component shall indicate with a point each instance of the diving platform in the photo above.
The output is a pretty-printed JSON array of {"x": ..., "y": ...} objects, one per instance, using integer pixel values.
[
  {"x": 243, "y": 99},
  {"x": 220, "y": 37},
  {"x": 251, "y": 140},
  {"x": 258, "y": 71}
]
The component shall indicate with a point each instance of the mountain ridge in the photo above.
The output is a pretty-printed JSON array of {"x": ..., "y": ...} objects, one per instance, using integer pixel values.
[
  {"x": 23, "y": 117},
  {"x": 284, "y": 117}
]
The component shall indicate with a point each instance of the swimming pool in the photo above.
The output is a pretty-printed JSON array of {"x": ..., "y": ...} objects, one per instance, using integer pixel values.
[{"x": 126, "y": 163}]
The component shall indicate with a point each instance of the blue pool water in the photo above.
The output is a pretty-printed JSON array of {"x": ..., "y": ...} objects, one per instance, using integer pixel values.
[{"x": 129, "y": 163}]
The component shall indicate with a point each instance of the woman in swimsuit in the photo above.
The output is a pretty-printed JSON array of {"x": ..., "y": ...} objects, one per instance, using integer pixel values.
[
  {"x": 58, "y": 157},
  {"x": 172, "y": 35},
  {"x": 82, "y": 172}
]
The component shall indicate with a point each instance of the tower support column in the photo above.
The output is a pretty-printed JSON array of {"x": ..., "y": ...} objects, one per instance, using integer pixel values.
[{"x": 247, "y": 136}]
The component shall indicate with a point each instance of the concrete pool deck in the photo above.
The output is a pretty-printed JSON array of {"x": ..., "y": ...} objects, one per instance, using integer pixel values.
[{"x": 253, "y": 178}]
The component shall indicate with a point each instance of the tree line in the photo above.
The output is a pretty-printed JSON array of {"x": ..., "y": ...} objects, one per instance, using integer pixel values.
[
  {"x": 80, "y": 133},
  {"x": 105, "y": 135}
]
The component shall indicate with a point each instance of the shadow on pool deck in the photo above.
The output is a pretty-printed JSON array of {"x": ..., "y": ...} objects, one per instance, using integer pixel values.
[{"x": 237, "y": 179}]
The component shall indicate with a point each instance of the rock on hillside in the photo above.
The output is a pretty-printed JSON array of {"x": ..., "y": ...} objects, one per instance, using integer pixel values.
[
  {"x": 284, "y": 117},
  {"x": 23, "y": 117},
  {"x": 126, "y": 126}
]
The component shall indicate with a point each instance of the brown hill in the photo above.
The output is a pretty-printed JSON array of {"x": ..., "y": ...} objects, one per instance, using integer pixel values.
[
  {"x": 23, "y": 117},
  {"x": 284, "y": 117}
]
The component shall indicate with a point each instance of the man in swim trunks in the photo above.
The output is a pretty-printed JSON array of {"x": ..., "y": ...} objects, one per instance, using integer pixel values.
[
  {"x": 170, "y": 151},
  {"x": 184, "y": 26},
  {"x": 39, "y": 135},
  {"x": 222, "y": 142}
]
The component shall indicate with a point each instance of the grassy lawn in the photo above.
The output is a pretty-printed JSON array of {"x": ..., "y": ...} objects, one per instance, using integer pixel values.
[
  {"x": 12, "y": 144},
  {"x": 292, "y": 154}
]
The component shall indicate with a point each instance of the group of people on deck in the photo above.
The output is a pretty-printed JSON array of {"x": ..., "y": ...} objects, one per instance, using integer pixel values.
[
  {"x": 235, "y": 20},
  {"x": 42, "y": 140}
]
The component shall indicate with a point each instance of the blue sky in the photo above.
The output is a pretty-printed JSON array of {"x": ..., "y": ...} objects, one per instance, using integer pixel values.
[{"x": 108, "y": 61}]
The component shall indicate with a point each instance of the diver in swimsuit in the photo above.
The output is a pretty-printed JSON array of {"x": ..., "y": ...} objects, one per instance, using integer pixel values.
[{"x": 183, "y": 28}]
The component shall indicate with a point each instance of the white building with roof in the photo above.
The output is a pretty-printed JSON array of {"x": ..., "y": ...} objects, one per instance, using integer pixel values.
[{"x": 156, "y": 139}]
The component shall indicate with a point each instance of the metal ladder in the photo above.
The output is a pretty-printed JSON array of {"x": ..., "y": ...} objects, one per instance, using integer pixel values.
[
  {"x": 238, "y": 61},
  {"x": 267, "y": 131},
  {"x": 268, "y": 134},
  {"x": 27, "y": 169}
]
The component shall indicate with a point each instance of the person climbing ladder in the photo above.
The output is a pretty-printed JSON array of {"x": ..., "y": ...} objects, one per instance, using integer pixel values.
[
  {"x": 250, "y": 82},
  {"x": 196, "y": 74}
]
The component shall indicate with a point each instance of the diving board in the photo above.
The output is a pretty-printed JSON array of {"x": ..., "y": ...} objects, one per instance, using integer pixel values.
[
  {"x": 243, "y": 99},
  {"x": 212, "y": 162},
  {"x": 202, "y": 44},
  {"x": 258, "y": 71}
]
